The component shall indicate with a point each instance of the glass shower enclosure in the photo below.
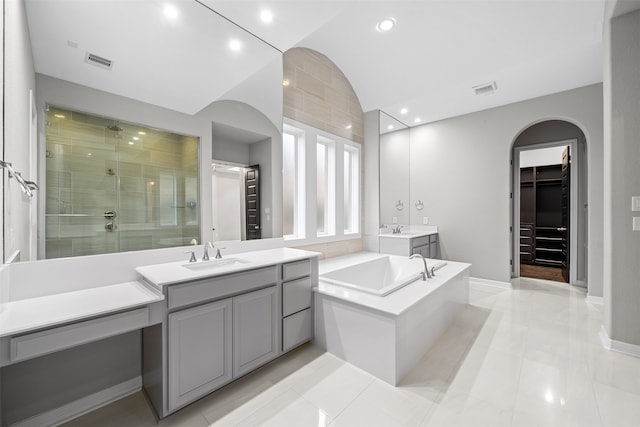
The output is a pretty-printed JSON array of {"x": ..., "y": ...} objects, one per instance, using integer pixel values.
[{"x": 114, "y": 186}]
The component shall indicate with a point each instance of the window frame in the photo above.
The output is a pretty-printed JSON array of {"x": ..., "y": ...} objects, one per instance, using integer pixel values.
[{"x": 338, "y": 229}]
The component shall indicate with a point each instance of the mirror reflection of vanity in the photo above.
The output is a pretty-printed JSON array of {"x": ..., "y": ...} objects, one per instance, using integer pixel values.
[{"x": 155, "y": 81}]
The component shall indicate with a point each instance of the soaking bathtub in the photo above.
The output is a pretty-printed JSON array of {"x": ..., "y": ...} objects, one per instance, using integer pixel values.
[
  {"x": 379, "y": 276},
  {"x": 375, "y": 312}
]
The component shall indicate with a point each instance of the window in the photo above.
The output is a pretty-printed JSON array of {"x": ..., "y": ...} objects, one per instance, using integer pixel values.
[
  {"x": 293, "y": 179},
  {"x": 331, "y": 210},
  {"x": 325, "y": 187},
  {"x": 351, "y": 192}
]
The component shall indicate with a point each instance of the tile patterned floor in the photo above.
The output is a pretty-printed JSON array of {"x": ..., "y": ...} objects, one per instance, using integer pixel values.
[{"x": 523, "y": 357}]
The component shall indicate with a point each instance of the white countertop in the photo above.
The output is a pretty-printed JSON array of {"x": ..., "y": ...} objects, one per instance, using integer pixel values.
[
  {"x": 28, "y": 314},
  {"x": 409, "y": 232},
  {"x": 396, "y": 302},
  {"x": 176, "y": 272}
]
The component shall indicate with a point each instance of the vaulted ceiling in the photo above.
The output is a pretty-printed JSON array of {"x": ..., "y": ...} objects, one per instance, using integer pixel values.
[{"x": 176, "y": 53}]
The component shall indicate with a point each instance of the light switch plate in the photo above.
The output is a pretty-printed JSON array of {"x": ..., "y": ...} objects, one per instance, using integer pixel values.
[
  {"x": 394, "y": 219},
  {"x": 636, "y": 223},
  {"x": 425, "y": 220},
  {"x": 635, "y": 203}
]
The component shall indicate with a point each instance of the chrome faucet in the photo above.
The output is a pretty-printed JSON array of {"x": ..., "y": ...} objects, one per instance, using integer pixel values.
[
  {"x": 426, "y": 274},
  {"x": 205, "y": 256},
  {"x": 396, "y": 230}
]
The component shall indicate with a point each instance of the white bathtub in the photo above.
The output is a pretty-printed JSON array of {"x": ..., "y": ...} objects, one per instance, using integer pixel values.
[
  {"x": 386, "y": 333},
  {"x": 379, "y": 276}
]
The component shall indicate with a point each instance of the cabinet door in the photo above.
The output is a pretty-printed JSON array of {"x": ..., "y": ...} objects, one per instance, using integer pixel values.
[
  {"x": 422, "y": 250},
  {"x": 199, "y": 351},
  {"x": 256, "y": 335}
]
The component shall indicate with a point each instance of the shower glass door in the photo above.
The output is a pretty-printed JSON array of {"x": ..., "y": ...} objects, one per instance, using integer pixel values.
[{"x": 114, "y": 186}]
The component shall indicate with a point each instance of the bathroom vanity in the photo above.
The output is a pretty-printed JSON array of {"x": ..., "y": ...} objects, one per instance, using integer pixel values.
[
  {"x": 409, "y": 242},
  {"x": 197, "y": 326},
  {"x": 223, "y": 319}
]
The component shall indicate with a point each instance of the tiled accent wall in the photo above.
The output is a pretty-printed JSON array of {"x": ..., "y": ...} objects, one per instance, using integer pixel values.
[
  {"x": 147, "y": 176},
  {"x": 317, "y": 93},
  {"x": 334, "y": 249}
]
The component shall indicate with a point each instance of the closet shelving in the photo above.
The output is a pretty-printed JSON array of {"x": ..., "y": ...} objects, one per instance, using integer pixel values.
[{"x": 541, "y": 238}]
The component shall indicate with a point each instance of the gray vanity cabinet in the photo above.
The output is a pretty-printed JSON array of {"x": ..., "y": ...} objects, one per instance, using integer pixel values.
[
  {"x": 427, "y": 245},
  {"x": 199, "y": 351},
  {"x": 297, "y": 322},
  {"x": 256, "y": 332},
  {"x": 219, "y": 328}
]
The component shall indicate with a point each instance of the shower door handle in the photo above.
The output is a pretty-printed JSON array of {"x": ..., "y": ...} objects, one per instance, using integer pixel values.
[
  {"x": 110, "y": 214},
  {"x": 110, "y": 227}
]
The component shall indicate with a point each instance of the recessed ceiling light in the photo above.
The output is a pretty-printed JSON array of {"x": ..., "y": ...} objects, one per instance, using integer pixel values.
[
  {"x": 386, "y": 24},
  {"x": 266, "y": 16},
  {"x": 404, "y": 111},
  {"x": 390, "y": 127},
  {"x": 235, "y": 45},
  {"x": 348, "y": 127},
  {"x": 286, "y": 82},
  {"x": 135, "y": 138},
  {"x": 417, "y": 120},
  {"x": 130, "y": 142},
  {"x": 170, "y": 11},
  {"x": 142, "y": 133}
]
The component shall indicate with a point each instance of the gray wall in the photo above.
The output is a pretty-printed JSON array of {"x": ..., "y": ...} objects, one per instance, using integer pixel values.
[
  {"x": 622, "y": 151},
  {"x": 370, "y": 187},
  {"x": 19, "y": 71},
  {"x": 460, "y": 169}
]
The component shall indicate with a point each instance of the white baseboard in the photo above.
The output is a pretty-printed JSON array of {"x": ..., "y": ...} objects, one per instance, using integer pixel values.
[
  {"x": 493, "y": 283},
  {"x": 619, "y": 346},
  {"x": 83, "y": 405},
  {"x": 595, "y": 300}
]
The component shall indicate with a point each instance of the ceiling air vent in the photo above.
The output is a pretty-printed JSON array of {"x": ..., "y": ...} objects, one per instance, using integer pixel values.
[
  {"x": 98, "y": 61},
  {"x": 485, "y": 89}
]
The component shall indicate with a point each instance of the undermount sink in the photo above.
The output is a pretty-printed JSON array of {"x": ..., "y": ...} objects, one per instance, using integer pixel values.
[{"x": 215, "y": 264}]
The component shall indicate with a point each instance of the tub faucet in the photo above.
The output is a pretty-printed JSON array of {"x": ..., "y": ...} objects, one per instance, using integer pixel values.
[
  {"x": 426, "y": 274},
  {"x": 205, "y": 256}
]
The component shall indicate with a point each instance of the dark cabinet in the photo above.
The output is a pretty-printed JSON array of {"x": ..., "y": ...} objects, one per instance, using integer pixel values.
[{"x": 542, "y": 235}]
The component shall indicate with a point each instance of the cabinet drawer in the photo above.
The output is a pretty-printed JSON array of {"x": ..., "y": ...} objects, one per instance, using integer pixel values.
[
  {"x": 296, "y": 329},
  {"x": 220, "y": 287},
  {"x": 433, "y": 238},
  {"x": 296, "y": 296},
  {"x": 39, "y": 343},
  {"x": 294, "y": 270}
]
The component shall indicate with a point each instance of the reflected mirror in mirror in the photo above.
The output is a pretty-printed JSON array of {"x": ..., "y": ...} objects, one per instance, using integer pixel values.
[
  {"x": 394, "y": 171},
  {"x": 241, "y": 187},
  {"x": 116, "y": 186}
]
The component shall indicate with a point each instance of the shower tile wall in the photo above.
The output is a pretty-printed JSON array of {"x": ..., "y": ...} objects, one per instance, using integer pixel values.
[{"x": 148, "y": 177}]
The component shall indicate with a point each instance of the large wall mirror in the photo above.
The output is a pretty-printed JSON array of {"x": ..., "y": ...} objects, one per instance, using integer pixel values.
[
  {"x": 165, "y": 68},
  {"x": 395, "y": 203}
]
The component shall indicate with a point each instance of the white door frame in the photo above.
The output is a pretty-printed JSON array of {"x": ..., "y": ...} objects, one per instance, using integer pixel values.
[{"x": 573, "y": 208}]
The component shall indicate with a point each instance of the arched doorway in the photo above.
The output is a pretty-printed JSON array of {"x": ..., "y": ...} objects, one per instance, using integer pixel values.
[{"x": 549, "y": 203}]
